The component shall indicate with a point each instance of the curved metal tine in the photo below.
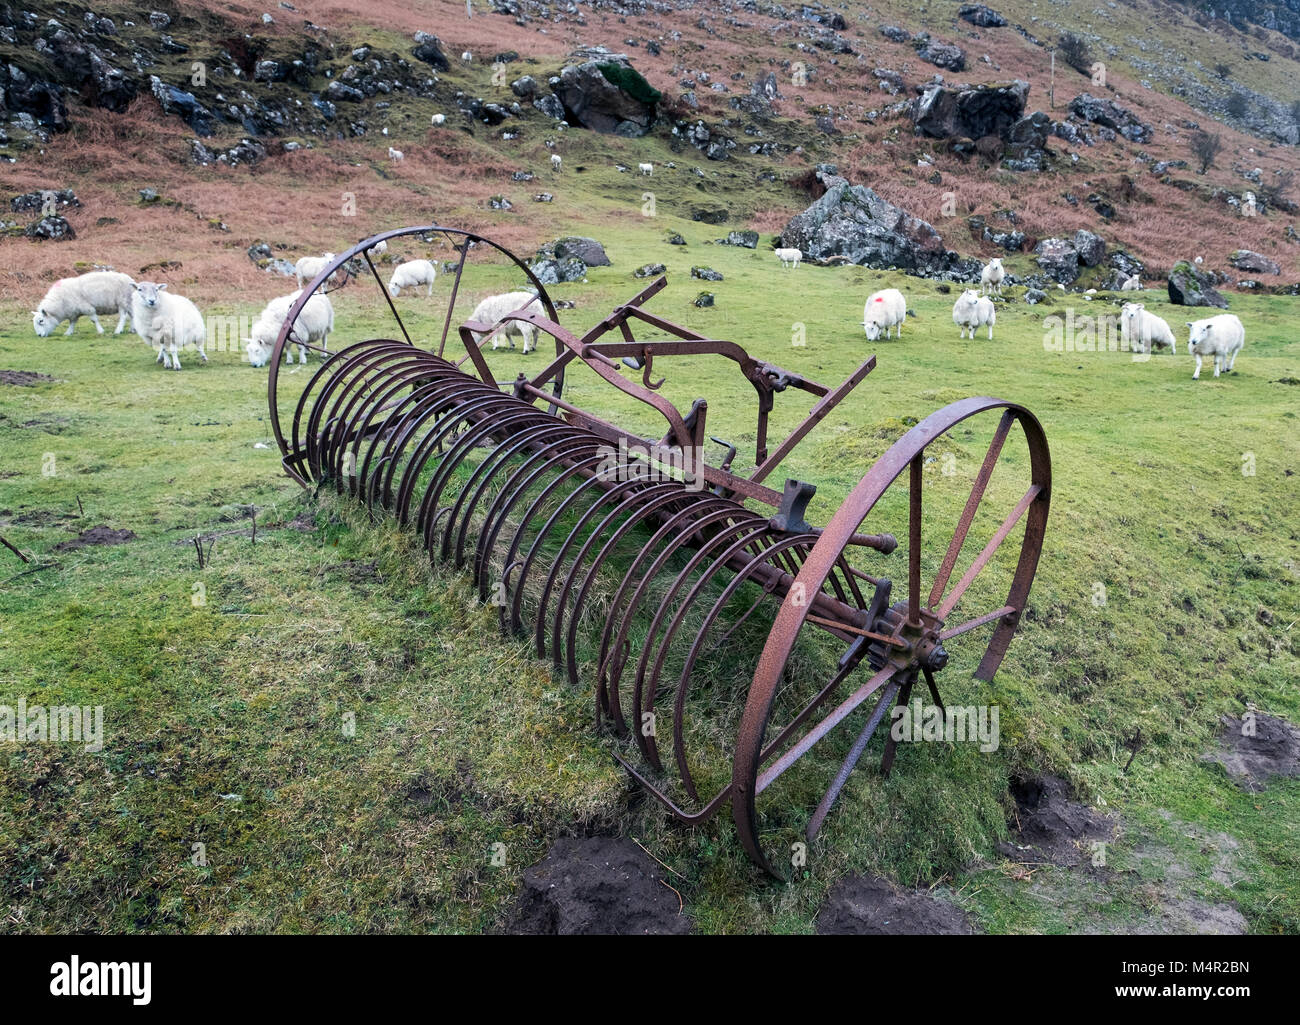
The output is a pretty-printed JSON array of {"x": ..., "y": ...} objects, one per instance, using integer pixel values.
[
  {"x": 356, "y": 365},
  {"x": 689, "y": 818},
  {"x": 527, "y": 419},
  {"x": 445, "y": 416},
  {"x": 891, "y": 745},
  {"x": 972, "y": 504},
  {"x": 358, "y": 373},
  {"x": 358, "y": 410},
  {"x": 643, "y": 696},
  {"x": 674, "y": 529},
  {"x": 495, "y": 414},
  {"x": 326, "y": 371},
  {"x": 994, "y": 543},
  {"x": 516, "y": 602},
  {"x": 525, "y": 443},
  {"x": 612, "y": 496},
  {"x": 638, "y": 508},
  {"x": 384, "y": 288},
  {"x": 567, "y": 447},
  {"x": 426, "y": 401},
  {"x": 688, "y": 667},
  {"x": 395, "y": 418},
  {"x": 832, "y": 794}
]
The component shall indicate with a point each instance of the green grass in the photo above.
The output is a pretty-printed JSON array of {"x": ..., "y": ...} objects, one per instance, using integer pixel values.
[{"x": 462, "y": 741}]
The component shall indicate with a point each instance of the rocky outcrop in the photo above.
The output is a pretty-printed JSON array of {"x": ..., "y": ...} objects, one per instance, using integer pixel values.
[
  {"x": 980, "y": 15},
  {"x": 1059, "y": 259},
  {"x": 972, "y": 112},
  {"x": 942, "y": 55},
  {"x": 606, "y": 96},
  {"x": 1110, "y": 115},
  {"x": 1090, "y": 247},
  {"x": 854, "y": 223},
  {"x": 567, "y": 259},
  {"x": 1189, "y": 287},
  {"x": 1255, "y": 263}
]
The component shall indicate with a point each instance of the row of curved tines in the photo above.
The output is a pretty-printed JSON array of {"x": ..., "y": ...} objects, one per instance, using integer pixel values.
[{"x": 386, "y": 420}]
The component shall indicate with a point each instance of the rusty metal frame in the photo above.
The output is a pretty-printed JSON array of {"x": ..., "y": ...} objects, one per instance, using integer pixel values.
[{"x": 551, "y": 510}]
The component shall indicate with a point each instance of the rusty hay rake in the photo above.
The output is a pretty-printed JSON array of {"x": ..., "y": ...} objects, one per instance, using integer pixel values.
[{"x": 727, "y": 639}]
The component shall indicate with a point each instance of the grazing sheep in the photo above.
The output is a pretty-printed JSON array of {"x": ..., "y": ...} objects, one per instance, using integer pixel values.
[
  {"x": 991, "y": 277},
  {"x": 87, "y": 295},
  {"x": 395, "y": 155},
  {"x": 314, "y": 324},
  {"x": 646, "y": 169},
  {"x": 1142, "y": 330},
  {"x": 167, "y": 322},
  {"x": 789, "y": 257},
  {"x": 438, "y": 119},
  {"x": 496, "y": 307},
  {"x": 972, "y": 310},
  {"x": 555, "y": 162},
  {"x": 1221, "y": 337},
  {"x": 309, "y": 266},
  {"x": 1133, "y": 284},
  {"x": 883, "y": 310},
  {"x": 412, "y": 274}
]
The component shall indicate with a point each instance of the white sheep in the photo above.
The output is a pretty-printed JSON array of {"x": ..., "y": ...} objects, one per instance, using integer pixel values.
[
  {"x": 380, "y": 247},
  {"x": 991, "y": 276},
  {"x": 438, "y": 119},
  {"x": 412, "y": 274},
  {"x": 883, "y": 310},
  {"x": 496, "y": 307},
  {"x": 395, "y": 155},
  {"x": 972, "y": 310},
  {"x": 87, "y": 295},
  {"x": 467, "y": 56},
  {"x": 555, "y": 162},
  {"x": 646, "y": 169},
  {"x": 789, "y": 257},
  {"x": 1221, "y": 337},
  {"x": 167, "y": 322},
  {"x": 309, "y": 266},
  {"x": 1133, "y": 284},
  {"x": 314, "y": 324},
  {"x": 1142, "y": 331}
]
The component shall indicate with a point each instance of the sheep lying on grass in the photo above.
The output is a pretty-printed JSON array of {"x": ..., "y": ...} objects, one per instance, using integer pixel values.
[
  {"x": 314, "y": 324},
  {"x": 496, "y": 307},
  {"x": 412, "y": 274},
  {"x": 1133, "y": 284},
  {"x": 1142, "y": 330},
  {"x": 167, "y": 322},
  {"x": 884, "y": 309},
  {"x": 87, "y": 295},
  {"x": 991, "y": 276},
  {"x": 1221, "y": 337},
  {"x": 789, "y": 257},
  {"x": 309, "y": 266},
  {"x": 972, "y": 310}
]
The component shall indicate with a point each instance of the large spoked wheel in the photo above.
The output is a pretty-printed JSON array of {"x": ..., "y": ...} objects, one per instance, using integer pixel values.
[
  {"x": 908, "y": 631},
  {"x": 469, "y": 268}
]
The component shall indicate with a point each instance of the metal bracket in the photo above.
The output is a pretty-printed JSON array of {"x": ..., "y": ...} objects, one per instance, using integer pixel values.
[{"x": 794, "y": 503}]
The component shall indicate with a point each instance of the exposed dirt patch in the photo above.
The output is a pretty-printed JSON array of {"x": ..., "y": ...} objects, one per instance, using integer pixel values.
[
  {"x": 1257, "y": 747},
  {"x": 23, "y": 378},
  {"x": 598, "y": 886},
  {"x": 95, "y": 536},
  {"x": 1051, "y": 829},
  {"x": 870, "y": 906}
]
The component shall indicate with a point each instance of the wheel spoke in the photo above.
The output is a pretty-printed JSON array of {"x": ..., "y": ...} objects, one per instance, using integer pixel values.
[
  {"x": 383, "y": 288},
  {"x": 972, "y": 504},
  {"x": 841, "y": 711},
  {"x": 914, "y": 543},
  {"x": 989, "y": 549},
  {"x": 978, "y": 621}
]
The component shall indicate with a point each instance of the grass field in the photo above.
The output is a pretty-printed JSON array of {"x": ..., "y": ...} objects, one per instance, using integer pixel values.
[{"x": 1166, "y": 597}]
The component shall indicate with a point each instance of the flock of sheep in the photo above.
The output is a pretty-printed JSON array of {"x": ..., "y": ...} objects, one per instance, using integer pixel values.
[
  {"x": 170, "y": 322},
  {"x": 1220, "y": 337}
]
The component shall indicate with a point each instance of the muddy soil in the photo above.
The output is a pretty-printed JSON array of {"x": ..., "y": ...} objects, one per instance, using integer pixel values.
[{"x": 870, "y": 906}]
